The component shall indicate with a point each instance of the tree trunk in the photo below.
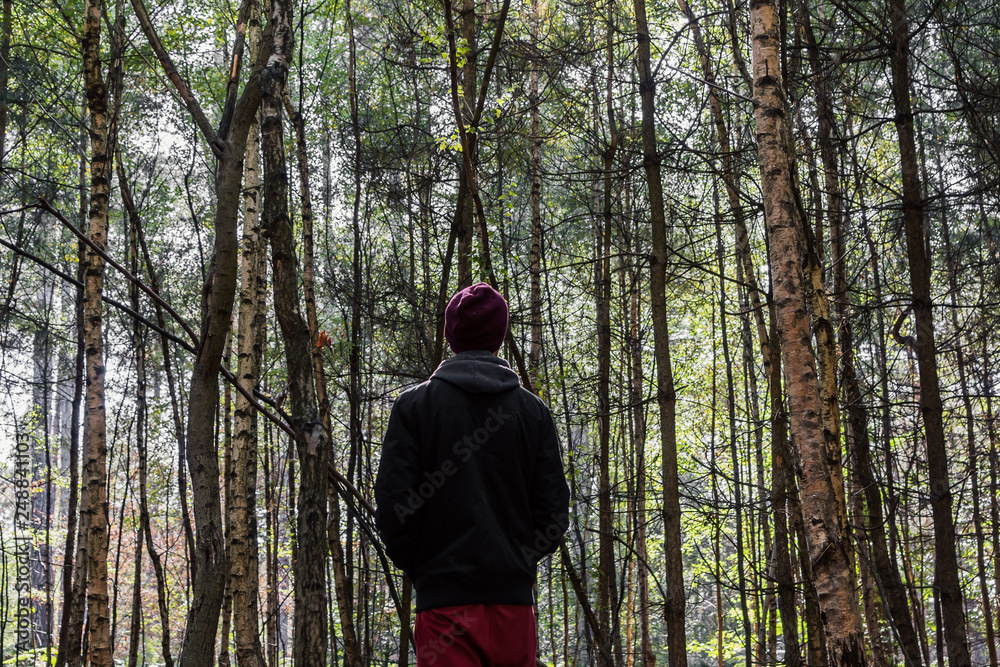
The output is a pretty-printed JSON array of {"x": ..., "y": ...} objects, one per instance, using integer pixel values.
[
  {"x": 822, "y": 506},
  {"x": 4, "y": 69},
  {"x": 994, "y": 468},
  {"x": 822, "y": 322},
  {"x": 638, "y": 409},
  {"x": 985, "y": 604},
  {"x": 737, "y": 483},
  {"x": 779, "y": 502},
  {"x": 947, "y": 587},
  {"x": 271, "y": 485},
  {"x": 210, "y": 566},
  {"x": 343, "y": 579},
  {"x": 312, "y": 442},
  {"x": 138, "y": 244},
  {"x": 606, "y": 565},
  {"x": 341, "y": 589},
  {"x": 94, "y": 518},
  {"x": 772, "y": 365},
  {"x": 891, "y": 586},
  {"x": 69, "y": 602},
  {"x": 244, "y": 580},
  {"x": 666, "y": 395},
  {"x": 535, "y": 200}
]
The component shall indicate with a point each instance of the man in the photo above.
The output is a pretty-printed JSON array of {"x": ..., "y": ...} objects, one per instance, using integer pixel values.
[{"x": 471, "y": 494}]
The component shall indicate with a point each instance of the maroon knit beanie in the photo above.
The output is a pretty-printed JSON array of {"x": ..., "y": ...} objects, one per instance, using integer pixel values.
[{"x": 476, "y": 319}]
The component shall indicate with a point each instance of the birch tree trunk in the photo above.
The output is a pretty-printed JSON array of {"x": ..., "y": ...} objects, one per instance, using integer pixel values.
[
  {"x": 244, "y": 578},
  {"x": 92, "y": 561},
  {"x": 821, "y": 504},
  {"x": 312, "y": 442}
]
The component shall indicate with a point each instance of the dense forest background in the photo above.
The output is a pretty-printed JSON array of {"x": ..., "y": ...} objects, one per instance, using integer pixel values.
[{"x": 750, "y": 254}]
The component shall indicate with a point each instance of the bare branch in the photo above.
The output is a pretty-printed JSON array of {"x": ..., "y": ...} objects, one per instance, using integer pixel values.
[{"x": 171, "y": 70}]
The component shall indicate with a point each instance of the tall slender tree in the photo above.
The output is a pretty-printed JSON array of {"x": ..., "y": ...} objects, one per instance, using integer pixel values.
[{"x": 826, "y": 535}]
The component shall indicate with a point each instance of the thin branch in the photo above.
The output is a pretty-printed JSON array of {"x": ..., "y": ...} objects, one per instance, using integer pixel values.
[
  {"x": 470, "y": 174},
  {"x": 44, "y": 205},
  {"x": 106, "y": 299},
  {"x": 490, "y": 62},
  {"x": 908, "y": 341},
  {"x": 168, "y": 65}
]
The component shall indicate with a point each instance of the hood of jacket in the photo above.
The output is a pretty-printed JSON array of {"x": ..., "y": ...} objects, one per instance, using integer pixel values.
[{"x": 477, "y": 372}]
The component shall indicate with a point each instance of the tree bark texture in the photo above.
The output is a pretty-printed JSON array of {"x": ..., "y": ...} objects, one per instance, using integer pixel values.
[
  {"x": 93, "y": 560},
  {"x": 312, "y": 442},
  {"x": 666, "y": 395},
  {"x": 947, "y": 587},
  {"x": 826, "y": 535},
  {"x": 251, "y": 337}
]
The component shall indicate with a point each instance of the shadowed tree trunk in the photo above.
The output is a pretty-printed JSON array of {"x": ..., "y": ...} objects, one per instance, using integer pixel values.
[
  {"x": 648, "y": 656},
  {"x": 70, "y": 603},
  {"x": 312, "y": 442},
  {"x": 465, "y": 216},
  {"x": 343, "y": 584},
  {"x": 947, "y": 587},
  {"x": 972, "y": 448},
  {"x": 606, "y": 566},
  {"x": 139, "y": 350},
  {"x": 535, "y": 200},
  {"x": 5, "y": 27},
  {"x": 666, "y": 395}
]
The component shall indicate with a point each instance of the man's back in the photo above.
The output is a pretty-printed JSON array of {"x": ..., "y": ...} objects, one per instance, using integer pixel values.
[
  {"x": 471, "y": 492},
  {"x": 471, "y": 495}
]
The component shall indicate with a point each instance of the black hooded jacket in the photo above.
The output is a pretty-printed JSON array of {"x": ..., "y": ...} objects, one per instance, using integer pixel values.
[{"x": 471, "y": 492}]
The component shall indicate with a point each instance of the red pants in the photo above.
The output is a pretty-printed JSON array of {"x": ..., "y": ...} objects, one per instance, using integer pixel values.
[{"x": 478, "y": 635}]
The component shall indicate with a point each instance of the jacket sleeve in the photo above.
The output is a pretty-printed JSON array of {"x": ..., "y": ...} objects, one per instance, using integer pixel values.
[
  {"x": 398, "y": 516},
  {"x": 549, "y": 491}
]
